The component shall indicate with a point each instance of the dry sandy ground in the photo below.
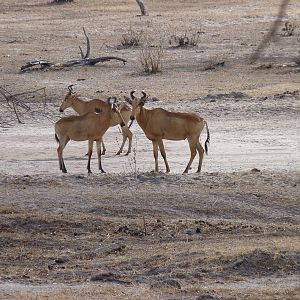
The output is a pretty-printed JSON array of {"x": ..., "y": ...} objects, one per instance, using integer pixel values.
[{"x": 231, "y": 232}]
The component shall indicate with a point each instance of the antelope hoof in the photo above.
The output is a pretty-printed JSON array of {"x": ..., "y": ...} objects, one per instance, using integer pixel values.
[
  {"x": 103, "y": 152},
  {"x": 102, "y": 171},
  {"x": 127, "y": 153},
  {"x": 119, "y": 152},
  {"x": 64, "y": 171}
]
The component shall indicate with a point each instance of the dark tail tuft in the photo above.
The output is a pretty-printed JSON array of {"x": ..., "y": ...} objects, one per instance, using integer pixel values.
[
  {"x": 56, "y": 137},
  {"x": 207, "y": 139}
]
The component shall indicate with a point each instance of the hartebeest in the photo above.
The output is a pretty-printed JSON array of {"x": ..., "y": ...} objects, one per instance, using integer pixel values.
[
  {"x": 91, "y": 126},
  {"x": 159, "y": 124},
  {"x": 82, "y": 107}
]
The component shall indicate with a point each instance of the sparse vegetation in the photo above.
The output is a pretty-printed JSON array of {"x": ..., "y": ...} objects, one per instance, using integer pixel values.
[
  {"x": 151, "y": 59},
  {"x": 132, "y": 38},
  {"x": 187, "y": 39},
  {"x": 288, "y": 29}
]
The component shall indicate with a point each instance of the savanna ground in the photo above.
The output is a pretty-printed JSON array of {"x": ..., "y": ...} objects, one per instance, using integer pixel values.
[{"x": 231, "y": 232}]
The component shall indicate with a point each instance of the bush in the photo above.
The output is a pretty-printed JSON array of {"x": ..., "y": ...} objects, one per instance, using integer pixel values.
[
  {"x": 288, "y": 29},
  {"x": 132, "y": 38},
  {"x": 186, "y": 39},
  {"x": 151, "y": 59}
]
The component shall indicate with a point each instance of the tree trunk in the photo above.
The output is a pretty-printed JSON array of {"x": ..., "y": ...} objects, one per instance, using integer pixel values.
[{"x": 142, "y": 7}]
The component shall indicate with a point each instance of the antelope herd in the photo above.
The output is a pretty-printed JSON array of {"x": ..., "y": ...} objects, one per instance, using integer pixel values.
[{"x": 96, "y": 116}]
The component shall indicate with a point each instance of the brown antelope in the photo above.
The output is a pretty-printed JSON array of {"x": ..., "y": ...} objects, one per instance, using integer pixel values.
[
  {"x": 91, "y": 126},
  {"x": 82, "y": 107},
  {"x": 159, "y": 124}
]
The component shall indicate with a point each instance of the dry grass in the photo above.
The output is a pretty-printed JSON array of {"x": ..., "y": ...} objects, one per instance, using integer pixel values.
[
  {"x": 132, "y": 38},
  {"x": 150, "y": 59},
  {"x": 288, "y": 29},
  {"x": 186, "y": 39}
]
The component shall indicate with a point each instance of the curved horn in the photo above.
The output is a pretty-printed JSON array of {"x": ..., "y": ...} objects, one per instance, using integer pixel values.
[
  {"x": 144, "y": 96},
  {"x": 70, "y": 89},
  {"x": 127, "y": 99},
  {"x": 131, "y": 94}
]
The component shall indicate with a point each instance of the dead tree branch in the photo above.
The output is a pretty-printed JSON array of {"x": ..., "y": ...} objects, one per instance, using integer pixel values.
[
  {"x": 142, "y": 7},
  {"x": 88, "y": 47},
  {"x": 85, "y": 60},
  {"x": 42, "y": 63},
  {"x": 20, "y": 106}
]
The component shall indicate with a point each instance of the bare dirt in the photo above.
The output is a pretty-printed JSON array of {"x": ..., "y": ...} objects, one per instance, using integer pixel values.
[{"x": 231, "y": 232}]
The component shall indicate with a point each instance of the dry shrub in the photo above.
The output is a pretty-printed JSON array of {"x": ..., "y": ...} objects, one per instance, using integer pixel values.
[
  {"x": 132, "y": 38},
  {"x": 151, "y": 59},
  {"x": 187, "y": 39},
  {"x": 288, "y": 29}
]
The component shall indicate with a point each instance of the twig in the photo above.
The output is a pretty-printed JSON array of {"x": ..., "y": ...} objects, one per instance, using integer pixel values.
[
  {"x": 16, "y": 104},
  {"x": 13, "y": 103},
  {"x": 144, "y": 223}
]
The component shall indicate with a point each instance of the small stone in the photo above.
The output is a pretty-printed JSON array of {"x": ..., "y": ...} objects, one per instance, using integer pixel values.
[{"x": 61, "y": 260}]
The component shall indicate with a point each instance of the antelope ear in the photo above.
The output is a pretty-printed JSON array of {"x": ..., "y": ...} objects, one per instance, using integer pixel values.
[{"x": 128, "y": 100}]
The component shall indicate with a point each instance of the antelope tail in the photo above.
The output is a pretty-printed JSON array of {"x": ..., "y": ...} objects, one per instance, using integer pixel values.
[
  {"x": 56, "y": 137},
  {"x": 130, "y": 123},
  {"x": 207, "y": 139}
]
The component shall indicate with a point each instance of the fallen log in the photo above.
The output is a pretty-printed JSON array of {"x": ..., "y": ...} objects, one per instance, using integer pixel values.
[
  {"x": 42, "y": 63},
  {"x": 85, "y": 60}
]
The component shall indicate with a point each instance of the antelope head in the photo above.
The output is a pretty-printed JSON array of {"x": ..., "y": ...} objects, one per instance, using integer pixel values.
[
  {"x": 112, "y": 102},
  {"x": 136, "y": 104},
  {"x": 67, "y": 102}
]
